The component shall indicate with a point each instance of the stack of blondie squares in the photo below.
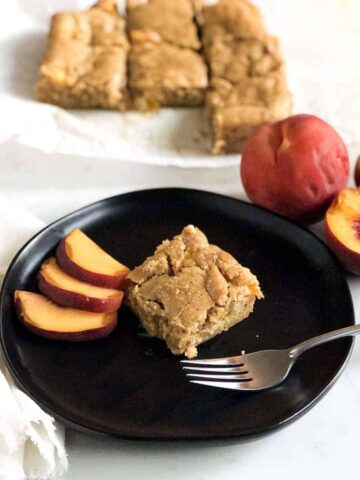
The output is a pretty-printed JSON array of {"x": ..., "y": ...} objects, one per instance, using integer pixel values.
[{"x": 169, "y": 53}]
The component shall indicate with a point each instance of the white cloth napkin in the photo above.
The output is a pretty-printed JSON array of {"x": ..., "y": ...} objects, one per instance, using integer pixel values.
[{"x": 31, "y": 442}]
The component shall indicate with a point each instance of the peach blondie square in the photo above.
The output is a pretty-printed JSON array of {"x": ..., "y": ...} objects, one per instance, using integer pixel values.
[
  {"x": 235, "y": 60},
  {"x": 163, "y": 74},
  {"x": 247, "y": 75},
  {"x": 86, "y": 59},
  {"x": 188, "y": 291},
  {"x": 165, "y": 68},
  {"x": 237, "y": 110},
  {"x": 172, "y": 20}
]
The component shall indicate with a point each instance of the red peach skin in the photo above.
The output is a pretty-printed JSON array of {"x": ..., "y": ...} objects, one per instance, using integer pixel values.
[
  {"x": 77, "y": 300},
  {"x": 84, "y": 336},
  {"x": 295, "y": 167},
  {"x": 99, "y": 279},
  {"x": 109, "y": 324}
]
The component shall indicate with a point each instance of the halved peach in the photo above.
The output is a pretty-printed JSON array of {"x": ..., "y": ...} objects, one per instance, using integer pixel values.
[
  {"x": 357, "y": 172},
  {"x": 43, "y": 317},
  {"x": 71, "y": 292},
  {"x": 342, "y": 228},
  {"x": 83, "y": 259}
]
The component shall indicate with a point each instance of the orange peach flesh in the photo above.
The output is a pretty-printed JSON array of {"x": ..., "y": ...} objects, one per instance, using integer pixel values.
[
  {"x": 54, "y": 275},
  {"x": 88, "y": 255},
  {"x": 343, "y": 218},
  {"x": 43, "y": 314}
]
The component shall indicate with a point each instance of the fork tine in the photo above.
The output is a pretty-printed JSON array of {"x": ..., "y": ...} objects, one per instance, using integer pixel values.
[
  {"x": 219, "y": 377},
  {"x": 239, "y": 369},
  {"x": 228, "y": 385},
  {"x": 217, "y": 361}
]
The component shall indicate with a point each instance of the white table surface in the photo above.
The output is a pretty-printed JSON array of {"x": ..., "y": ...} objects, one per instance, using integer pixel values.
[{"x": 323, "y": 442}]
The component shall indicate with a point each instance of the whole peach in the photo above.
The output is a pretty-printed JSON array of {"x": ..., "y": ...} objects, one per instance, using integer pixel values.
[{"x": 295, "y": 167}]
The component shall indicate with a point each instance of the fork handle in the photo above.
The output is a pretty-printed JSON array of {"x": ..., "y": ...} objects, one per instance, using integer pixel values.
[{"x": 326, "y": 337}]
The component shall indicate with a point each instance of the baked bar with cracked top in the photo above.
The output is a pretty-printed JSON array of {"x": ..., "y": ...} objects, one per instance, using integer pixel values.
[
  {"x": 247, "y": 75},
  {"x": 237, "y": 110},
  {"x": 85, "y": 62},
  {"x": 165, "y": 68},
  {"x": 162, "y": 74},
  {"x": 235, "y": 60},
  {"x": 189, "y": 291},
  {"x": 229, "y": 20},
  {"x": 172, "y": 20}
]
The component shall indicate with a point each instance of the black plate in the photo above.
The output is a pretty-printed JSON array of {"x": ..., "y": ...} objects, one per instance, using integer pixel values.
[{"x": 130, "y": 386}]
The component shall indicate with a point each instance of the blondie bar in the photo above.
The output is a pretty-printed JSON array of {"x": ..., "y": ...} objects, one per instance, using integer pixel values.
[
  {"x": 165, "y": 68},
  {"x": 236, "y": 110},
  {"x": 85, "y": 62},
  {"x": 189, "y": 291},
  {"x": 247, "y": 75},
  {"x": 172, "y": 20}
]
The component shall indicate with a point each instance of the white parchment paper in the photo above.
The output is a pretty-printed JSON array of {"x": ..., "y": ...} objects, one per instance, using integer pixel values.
[{"x": 321, "y": 43}]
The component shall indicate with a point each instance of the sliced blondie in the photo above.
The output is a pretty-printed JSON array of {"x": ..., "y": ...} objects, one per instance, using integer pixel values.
[
  {"x": 172, "y": 20},
  {"x": 247, "y": 75},
  {"x": 236, "y": 110},
  {"x": 165, "y": 68},
  {"x": 85, "y": 62},
  {"x": 189, "y": 291}
]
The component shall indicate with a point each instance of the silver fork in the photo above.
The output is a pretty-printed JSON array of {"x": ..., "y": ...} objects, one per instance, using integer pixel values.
[{"x": 258, "y": 370}]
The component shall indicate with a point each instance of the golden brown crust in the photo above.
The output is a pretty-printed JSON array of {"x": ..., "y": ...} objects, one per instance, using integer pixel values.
[
  {"x": 85, "y": 62},
  {"x": 164, "y": 74},
  {"x": 229, "y": 20},
  {"x": 269, "y": 92},
  {"x": 190, "y": 291},
  {"x": 235, "y": 60},
  {"x": 172, "y": 20}
]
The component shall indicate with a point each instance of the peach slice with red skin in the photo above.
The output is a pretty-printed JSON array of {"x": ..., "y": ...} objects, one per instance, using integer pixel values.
[
  {"x": 46, "y": 319},
  {"x": 82, "y": 258},
  {"x": 357, "y": 172},
  {"x": 342, "y": 228},
  {"x": 71, "y": 292}
]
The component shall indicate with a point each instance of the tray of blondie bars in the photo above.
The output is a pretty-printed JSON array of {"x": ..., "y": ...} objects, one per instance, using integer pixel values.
[{"x": 168, "y": 82}]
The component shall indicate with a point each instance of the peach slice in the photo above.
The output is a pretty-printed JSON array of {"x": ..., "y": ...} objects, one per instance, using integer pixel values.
[
  {"x": 342, "y": 228},
  {"x": 43, "y": 317},
  {"x": 83, "y": 259},
  {"x": 357, "y": 172},
  {"x": 71, "y": 292}
]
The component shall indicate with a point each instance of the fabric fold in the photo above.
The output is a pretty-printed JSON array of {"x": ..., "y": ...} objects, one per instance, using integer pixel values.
[{"x": 32, "y": 444}]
